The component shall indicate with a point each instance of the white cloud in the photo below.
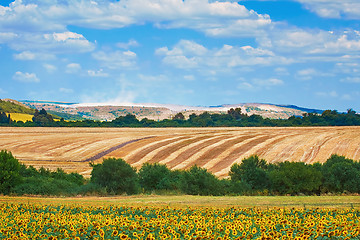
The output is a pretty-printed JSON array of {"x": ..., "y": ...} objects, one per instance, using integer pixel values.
[
  {"x": 7, "y": 36},
  {"x": 26, "y": 77},
  {"x": 66, "y": 90},
  {"x": 349, "y": 9},
  {"x": 2, "y": 91},
  {"x": 99, "y": 73},
  {"x": 189, "y": 55},
  {"x": 212, "y": 17},
  {"x": 256, "y": 83},
  {"x": 129, "y": 44},
  {"x": 28, "y": 55},
  {"x": 73, "y": 68},
  {"x": 153, "y": 78},
  {"x": 116, "y": 59},
  {"x": 49, "y": 68}
]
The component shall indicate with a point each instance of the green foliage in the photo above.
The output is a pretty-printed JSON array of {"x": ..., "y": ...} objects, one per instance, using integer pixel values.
[
  {"x": 295, "y": 178},
  {"x": 10, "y": 107},
  {"x": 116, "y": 176},
  {"x": 198, "y": 181},
  {"x": 41, "y": 118},
  {"x": 46, "y": 186},
  {"x": 341, "y": 174},
  {"x": 252, "y": 171},
  {"x": 155, "y": 177},
  {"x": 9, "y": 172}
]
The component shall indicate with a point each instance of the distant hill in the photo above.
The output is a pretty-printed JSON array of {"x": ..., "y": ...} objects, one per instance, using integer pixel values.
[
  {"x": 21, "y": 111},
  {"x": 13, "y": 106},
  {"x": 108, "y": 112}
]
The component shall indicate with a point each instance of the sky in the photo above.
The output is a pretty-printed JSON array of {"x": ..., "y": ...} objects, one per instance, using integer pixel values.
[{"x": 186, "y": 52}]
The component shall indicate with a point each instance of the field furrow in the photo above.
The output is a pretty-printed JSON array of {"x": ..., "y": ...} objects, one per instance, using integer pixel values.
[{"x": 215, "y": 149}]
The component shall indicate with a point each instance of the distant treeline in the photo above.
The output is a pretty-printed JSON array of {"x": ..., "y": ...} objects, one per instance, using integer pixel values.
[
  {"x": 233, "y": 118},
  {"x": 253, "y": 176}
]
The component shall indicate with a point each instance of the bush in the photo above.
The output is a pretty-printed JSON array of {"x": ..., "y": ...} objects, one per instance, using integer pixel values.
[
  {"x": 341, "y": 174},
  {"x": 155, "y": 177},
  {"x": 252, "y": 172},
  {"x": 9, "y": 172},
  {"x": 295, "y": 178},
  {"x": 46, "y": 186},
  {"x": 198, "y": 181},
  {"x": 116, "y": 176}
]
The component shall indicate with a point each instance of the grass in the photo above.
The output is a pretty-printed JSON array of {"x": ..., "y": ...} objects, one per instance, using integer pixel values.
[{"x": 198, "y": 201}]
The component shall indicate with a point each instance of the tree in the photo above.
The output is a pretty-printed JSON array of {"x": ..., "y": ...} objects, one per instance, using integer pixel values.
[
  {"x": 9, "y": 172},
  {"x": 179, "y": 116},
  {"x": 116, "y": 176},
  {"x": 4, "y": 118},
  {"x": 154, "y": 177},
  {"x": 295, "y": 178},
  {"x": 341, "y": 174},
  {"x": 251, "y": 171},
  {"x": 198, "y": 181},
  {"x": 42, "y": 118}
]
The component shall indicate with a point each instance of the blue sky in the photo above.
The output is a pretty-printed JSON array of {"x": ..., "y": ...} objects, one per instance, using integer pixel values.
[{"x": 191, "y": 52}]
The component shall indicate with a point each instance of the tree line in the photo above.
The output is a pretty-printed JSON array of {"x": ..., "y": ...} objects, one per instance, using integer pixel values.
[{"x": 253, "y": 176}]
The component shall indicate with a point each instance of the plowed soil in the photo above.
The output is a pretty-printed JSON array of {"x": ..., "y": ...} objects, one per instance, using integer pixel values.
[{"x": 180, "y": 148}]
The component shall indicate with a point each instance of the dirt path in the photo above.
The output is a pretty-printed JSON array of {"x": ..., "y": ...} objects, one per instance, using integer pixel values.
[{"x": 103, "y": 153}]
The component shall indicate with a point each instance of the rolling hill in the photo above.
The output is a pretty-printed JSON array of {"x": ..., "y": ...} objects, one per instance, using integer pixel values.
[
  {"x": 215, "y": 149},
  {"x": 108, "y": 112}
]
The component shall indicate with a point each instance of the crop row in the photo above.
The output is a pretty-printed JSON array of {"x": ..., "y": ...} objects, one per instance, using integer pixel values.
[{"x": 31, "y": 221}]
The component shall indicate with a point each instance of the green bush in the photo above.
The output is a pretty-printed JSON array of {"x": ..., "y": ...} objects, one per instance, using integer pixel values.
[
  {"x": 198, "y": 181},
  {"x": 116, "y": 176},
  {"x": 9, "y": 172}
]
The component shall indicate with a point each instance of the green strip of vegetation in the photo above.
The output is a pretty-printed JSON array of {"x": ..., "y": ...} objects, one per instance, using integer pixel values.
[{"x": 233, "y": 118}]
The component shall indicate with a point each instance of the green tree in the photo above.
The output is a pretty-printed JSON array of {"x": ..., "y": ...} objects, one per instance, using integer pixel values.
[
  {"x": 295, "y": 178},
  {"x": 155, "y": 177},
  {"x": 42, "y": 118},
  {"x": 116, "y": 176},
  {"x": 198, "y": 181},
  {"x": 9, "y": 172},
  {"x": 341, "y": 174},
  {"x": 252, "y": 171}
]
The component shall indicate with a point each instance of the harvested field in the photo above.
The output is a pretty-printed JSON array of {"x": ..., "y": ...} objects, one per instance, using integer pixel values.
[{"x": 179, "y": 148}]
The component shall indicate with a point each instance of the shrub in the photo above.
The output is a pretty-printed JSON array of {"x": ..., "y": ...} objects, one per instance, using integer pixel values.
[
  {"x": 116, "y": 176},
  {"x": 9, "y": 172}
]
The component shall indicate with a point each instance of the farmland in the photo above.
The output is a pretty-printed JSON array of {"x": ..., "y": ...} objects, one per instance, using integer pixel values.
[
  {"x": 179, "y": 148},
  {"x": 112, "y": 219}
]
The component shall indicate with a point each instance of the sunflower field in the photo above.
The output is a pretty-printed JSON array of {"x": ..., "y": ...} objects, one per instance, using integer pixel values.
[{"x": 35, "y": 221}]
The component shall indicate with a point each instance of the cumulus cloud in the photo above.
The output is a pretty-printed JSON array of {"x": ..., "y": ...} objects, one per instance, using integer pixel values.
[
  {"x": 116, "y": 59},
  {"x": 28, "y": 55},
  {"x": 26, "y": 77},
  {"x": 212, "y": 17},
  {"x": 73, "y": 68},
  {"x": 349, "y": 9},
  {"x": 257, "y": 83},
  {"x": 129, "y": 44},
  {"x": 190, "y": 55},
  {"x": 49, "y": 68},
  {"x": 98, "y": 73}
]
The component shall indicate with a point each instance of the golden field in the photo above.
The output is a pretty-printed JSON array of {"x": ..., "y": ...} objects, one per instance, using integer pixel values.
[
  {"x": 179, "y": 148},
  {"x": 21, "y": 117}
]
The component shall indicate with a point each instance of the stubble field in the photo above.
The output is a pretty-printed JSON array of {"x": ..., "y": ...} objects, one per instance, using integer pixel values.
[{"x": 179, "y": 148}]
